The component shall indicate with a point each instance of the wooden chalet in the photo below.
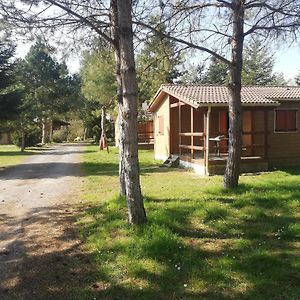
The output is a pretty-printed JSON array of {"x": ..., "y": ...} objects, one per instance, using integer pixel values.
[{"x": 191, "y": 122}]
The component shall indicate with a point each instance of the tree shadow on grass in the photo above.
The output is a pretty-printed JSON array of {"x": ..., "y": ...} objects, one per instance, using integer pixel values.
[{"x": 249, "y": 252}]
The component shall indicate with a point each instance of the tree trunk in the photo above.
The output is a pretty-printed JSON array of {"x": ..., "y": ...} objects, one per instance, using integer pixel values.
[
  {"x": 51, "y": 131},
  {"x": 129, "y": 113},
  {"x": 23, "y": 140},
  {"x": 85, "y": 133},
  {"x": 232, "y": 171},
  {"x": 115, "y": 36},
  {"x": 44, "y": 132},
  {"x": 103, "y": 140}
]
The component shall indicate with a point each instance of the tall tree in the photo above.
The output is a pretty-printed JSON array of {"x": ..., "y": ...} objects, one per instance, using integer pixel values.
[
  {"x": 46, "y": 83},
  {"x": 157, "y": 62},
  {"x": 217, "y": 73},
  {"x": 258, "y": 64},
  {"x": 9, "y": 94},
  {"x": 136, "y": 211},
  {"x": 99, "y": 83}
]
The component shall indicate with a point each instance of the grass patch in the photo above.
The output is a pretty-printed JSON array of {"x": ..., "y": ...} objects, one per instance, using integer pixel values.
[
  {"x": 11, "y": 155},
  {"x": 200, "y": 242}
]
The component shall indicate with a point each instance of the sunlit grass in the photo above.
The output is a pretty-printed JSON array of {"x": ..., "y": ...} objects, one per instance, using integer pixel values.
[
  {"x": 200, "y": 242},
  {"x": 11, "y": 155}
]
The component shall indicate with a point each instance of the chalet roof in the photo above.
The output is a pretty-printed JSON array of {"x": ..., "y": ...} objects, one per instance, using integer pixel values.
[{"x": 203, "y": 95}]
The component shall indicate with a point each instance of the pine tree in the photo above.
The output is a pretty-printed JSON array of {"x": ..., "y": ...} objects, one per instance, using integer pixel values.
[
  {"x": 258, "y": 64},
  {"x": 9, "y": 94},
  {"x": 157, "y": 63},
  {"x": 217, "y": 73},
  {"x": 46, "y": 83}
]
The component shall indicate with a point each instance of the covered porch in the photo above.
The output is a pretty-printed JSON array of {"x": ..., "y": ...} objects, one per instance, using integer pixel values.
[{"x": 199, "y": 136}]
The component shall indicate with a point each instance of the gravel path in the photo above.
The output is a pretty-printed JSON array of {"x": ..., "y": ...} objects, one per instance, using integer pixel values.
[{"x": 40, "y": 254}]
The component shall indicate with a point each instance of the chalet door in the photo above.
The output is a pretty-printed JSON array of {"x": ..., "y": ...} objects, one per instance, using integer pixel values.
[{"x": 223, "y": 129}]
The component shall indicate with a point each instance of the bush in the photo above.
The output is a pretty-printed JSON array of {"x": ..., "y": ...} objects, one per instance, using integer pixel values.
[
  {"x": 60, "y": 135},
  {"x": 33, "y": 137}
]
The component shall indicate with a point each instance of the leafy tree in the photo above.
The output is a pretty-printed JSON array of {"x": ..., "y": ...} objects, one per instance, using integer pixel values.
[
  {"x": 258, "y": 64},
  {"x": 9, "y": 94},
  {"x": 217, "y": 73},
  {"x": 99, "y": 83},
  {"x": 157, "y": 63},
  {"x": 46, "y": 83}
]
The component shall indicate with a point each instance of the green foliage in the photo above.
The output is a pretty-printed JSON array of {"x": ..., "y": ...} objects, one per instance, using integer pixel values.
[
  {"x": 217, "y": 73},
  {"x": 98, "y": 77},
  {"x": 194, "y": 75},
  {"x": 258, "y": 64},
  {"x": 200, "y": 242},
  {"x": 157, "y": 63},
  {"x": 9, "y": 94},
  {"x": 32, "y": 136}
]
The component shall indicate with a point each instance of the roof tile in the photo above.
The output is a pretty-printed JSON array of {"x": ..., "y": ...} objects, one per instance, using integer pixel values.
[{"x": 210, "y": 94}]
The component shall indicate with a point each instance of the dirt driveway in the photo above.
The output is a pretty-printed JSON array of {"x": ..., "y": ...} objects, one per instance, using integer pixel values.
[{"x": 40, "y": 255}]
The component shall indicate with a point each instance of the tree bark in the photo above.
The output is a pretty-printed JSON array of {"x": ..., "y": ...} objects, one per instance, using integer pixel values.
[
  {"x": 116, "y": 43},
  {"x": 44, "y": 132},
  {"x": 51, "y": 131},
  {"x": 129, "y": 113},
  {"x": 232, "y": 171},
  {"x": 85, "y": 134},
  {"x": 23, "y": 140},
  {"x": 103, "y": 140}
]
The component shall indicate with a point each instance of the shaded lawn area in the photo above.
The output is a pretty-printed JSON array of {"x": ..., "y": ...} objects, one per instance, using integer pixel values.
[
  {"x": 11, "y": 155},
  {"x": 201, "y": 242}
]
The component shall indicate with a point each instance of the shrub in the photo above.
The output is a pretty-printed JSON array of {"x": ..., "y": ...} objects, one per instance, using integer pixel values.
[{"x": 33, "y": 137}]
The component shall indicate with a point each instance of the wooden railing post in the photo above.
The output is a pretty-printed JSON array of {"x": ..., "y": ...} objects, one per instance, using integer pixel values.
[
  {"x": 266, "y": 115},
  {"x": 179, "y": 127},
  {"x": 192, "y": 131}
]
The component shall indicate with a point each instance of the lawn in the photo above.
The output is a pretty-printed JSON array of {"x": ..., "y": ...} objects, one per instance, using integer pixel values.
[
  {"x": 11, "y": 155},
  {"x": 200, "y": 242}
]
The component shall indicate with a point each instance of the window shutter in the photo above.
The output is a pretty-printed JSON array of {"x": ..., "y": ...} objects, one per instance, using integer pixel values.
[{"x": 161, "y": 125}]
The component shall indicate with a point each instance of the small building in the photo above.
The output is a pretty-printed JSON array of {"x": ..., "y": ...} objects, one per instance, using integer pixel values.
[
  {"x": 5, "y": 138},
  {"x": 191, "y": 122}
]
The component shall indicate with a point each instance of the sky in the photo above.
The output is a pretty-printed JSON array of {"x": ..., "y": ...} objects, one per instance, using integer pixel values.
[{"x": 287, "y": 60}]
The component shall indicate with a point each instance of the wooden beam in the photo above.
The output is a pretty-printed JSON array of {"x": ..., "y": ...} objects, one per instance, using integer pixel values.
[
  {"x": 200, "y": 148},
  {"x": 192, "y": 131},
  {"x": 207, "y": 139},
  {"x": 204, "y": 135},
  {"x": 252, "y": 130},
  {"x": 177, "y": 104},
  {"x": 179, "y": 127},
  {"x": 266, "y": 115},
  {"x": 192, "y": 134}
]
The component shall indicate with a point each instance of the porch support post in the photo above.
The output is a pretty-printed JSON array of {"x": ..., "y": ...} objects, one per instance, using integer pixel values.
[
  {"x": 179, "y": 126},
  {"x": 266, "y": 115},
  {"x": 192, "y": 131},
  {"x": 207, "y": 140},
  {"x": 252, "y": 132}
]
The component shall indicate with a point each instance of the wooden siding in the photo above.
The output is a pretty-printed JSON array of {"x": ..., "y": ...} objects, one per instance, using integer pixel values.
[
  {"x": 284, "y": 148},
  {"x": 161, "y": 141}
]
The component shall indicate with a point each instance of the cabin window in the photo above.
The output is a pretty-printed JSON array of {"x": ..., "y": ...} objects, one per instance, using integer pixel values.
[
  {"x": 161, "y": 125},
  {"x": 285, "y": 120}
]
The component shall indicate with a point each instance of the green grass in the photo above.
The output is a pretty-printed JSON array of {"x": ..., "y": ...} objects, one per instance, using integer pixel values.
[
  {"x": 200, "y": 242},
  {"x": 11, "y": 155}
]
